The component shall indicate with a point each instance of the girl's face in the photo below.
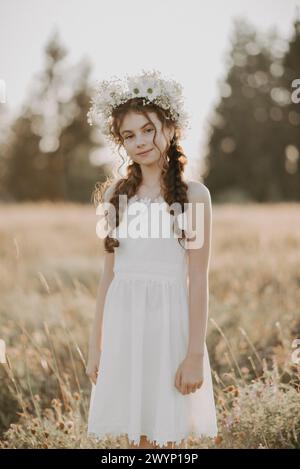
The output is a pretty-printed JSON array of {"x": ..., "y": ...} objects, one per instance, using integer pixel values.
[{"x": 138, "y": 135}]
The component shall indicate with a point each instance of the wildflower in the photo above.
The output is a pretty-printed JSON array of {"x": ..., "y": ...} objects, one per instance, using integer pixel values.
[
  {"x": 76, "y": 396},
  {"x": 229, "y": 388},
  {"x": 218, "y": 439},
  {"x": 60, "y": 425},
  {"x": 56, "y": 403},
  {"x": 260, "y": 446}
]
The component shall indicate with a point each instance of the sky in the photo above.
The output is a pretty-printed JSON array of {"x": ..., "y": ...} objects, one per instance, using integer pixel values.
[{"x": 186, "y": 40}]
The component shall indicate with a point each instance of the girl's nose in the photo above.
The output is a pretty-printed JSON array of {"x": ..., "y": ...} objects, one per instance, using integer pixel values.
[{"x": 140, "y": 139}]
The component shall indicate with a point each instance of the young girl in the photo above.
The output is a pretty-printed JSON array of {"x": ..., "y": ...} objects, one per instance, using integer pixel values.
[{"x": 148, "y": 361}]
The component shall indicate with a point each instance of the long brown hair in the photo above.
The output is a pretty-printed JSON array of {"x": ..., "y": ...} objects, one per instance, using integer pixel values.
[{"x": 174, "y": 188}]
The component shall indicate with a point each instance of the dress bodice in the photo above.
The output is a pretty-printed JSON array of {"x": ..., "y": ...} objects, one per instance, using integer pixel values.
[{"x": 148, "y": 244}]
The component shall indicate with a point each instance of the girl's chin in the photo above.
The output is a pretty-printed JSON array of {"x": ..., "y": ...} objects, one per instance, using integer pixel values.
[
  {"x": 149, "y": 161},
  {"x": 151, "y": 158}
]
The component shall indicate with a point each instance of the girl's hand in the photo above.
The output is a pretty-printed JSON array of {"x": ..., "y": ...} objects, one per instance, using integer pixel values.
[
  {"x": 92, "y": 369},
  {"x": 189, "y": 375}
]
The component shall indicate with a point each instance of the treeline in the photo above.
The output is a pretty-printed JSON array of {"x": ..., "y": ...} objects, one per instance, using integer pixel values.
[
  {"x": 253, "y": 134},
  {"x": 47, "y": 151},
  {"x": 253, "y": 137}
]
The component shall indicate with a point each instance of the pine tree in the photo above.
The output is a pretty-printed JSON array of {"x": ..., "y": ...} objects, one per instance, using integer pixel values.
[
  {"x": 52, "y": 141},
  {"x": 246, "y": 122},
  {"x": 291, "y": 128}
]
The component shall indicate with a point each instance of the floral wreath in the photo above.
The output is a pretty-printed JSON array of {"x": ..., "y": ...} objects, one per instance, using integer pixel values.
[{"x": 109, "y": 94}]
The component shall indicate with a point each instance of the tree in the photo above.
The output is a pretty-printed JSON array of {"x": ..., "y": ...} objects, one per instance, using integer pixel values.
[
  {"x": 52, "y": 141},
  {"x": 245, "y": 143},
  {"x": 291, "y": 127}
]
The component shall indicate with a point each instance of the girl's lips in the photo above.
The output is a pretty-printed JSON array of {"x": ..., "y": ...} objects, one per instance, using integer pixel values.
[{"x": 144, "y": 154}]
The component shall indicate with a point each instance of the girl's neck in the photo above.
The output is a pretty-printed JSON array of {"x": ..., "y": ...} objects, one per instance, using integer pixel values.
[
  {"x": 145, "y": 192},
  {"x": 150, "y": 189}
]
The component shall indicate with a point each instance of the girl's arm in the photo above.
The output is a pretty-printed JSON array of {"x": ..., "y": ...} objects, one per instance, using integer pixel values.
[
  {"x": 95, "y": 341},
  {"x": 199, "y": 269},
  {"x": 96, "y": 329},
  {"x": 189, "y": 375}
]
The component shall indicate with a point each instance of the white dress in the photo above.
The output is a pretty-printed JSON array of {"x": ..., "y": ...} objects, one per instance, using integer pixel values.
[{"x": 144, "y": 340}]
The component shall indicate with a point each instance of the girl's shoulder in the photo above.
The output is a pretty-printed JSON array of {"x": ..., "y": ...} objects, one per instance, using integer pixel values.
[{"x": 197, "y": 191}]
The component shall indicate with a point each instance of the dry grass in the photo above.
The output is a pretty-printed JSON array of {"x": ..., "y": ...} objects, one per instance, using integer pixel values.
[{"x": 50, "y": 266}]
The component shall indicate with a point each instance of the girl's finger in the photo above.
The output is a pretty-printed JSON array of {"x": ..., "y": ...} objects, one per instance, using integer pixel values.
[
  {"x": 177, "y": 380},
  {"x": 183, "y": 387},
  {"x": 189, "y": 388}
]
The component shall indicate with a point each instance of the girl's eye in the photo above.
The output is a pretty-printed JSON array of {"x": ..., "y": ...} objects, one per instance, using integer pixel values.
[{"x": 147, "y": 130}]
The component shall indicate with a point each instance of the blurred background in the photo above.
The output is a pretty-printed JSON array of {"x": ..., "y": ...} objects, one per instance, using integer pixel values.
[{"x": 239, "y": 64}]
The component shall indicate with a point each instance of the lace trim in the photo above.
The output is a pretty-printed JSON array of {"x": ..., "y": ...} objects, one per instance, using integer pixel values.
[{"x": 147, "y": 200}]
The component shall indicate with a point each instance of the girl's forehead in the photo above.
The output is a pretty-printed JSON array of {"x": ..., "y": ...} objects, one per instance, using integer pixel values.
[{"x": 135, "y": 121}]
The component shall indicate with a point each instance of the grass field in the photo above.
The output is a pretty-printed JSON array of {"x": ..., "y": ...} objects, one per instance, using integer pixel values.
[{"x": 50, "y": 266}]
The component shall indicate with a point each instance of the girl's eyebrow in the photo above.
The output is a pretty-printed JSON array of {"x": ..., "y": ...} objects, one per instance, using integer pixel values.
[{"x": 123, "y": 132}]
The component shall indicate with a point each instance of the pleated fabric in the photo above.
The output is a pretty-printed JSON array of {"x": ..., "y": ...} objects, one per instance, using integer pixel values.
[{"x": 144, "y": 340}]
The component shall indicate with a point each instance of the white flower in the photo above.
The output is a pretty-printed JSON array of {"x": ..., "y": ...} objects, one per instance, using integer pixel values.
[
  {"x": 150, "y": 85},
  {"x": 146, "y": 87}
]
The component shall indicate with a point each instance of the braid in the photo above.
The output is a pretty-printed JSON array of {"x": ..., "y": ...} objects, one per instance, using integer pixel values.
[
  {"x": 126, "y": 186},
  {"x": 172, "y": 172}
]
